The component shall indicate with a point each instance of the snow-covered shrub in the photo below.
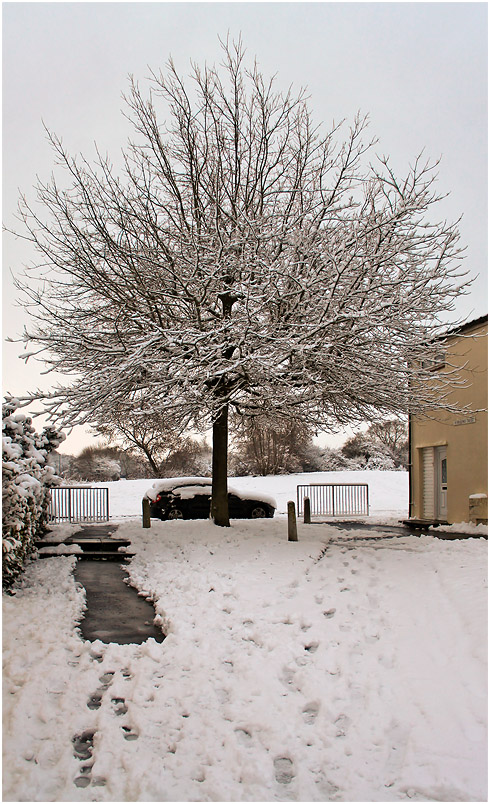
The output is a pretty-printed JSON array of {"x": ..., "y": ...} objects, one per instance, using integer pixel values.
[
  {"x": 380, "y": 459},
  {"x": 26, "y": 480},
  {"x": 310, "y": 457},
  {"x": 97, "y": 464},
  {"x": 374, "y": 450},
  {"x": 189, "y": 458},
  {"x": 333, "y": 460}
]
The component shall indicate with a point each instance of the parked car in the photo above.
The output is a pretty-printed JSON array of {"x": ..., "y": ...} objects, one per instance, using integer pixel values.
[{"x": 190, "y": 498}]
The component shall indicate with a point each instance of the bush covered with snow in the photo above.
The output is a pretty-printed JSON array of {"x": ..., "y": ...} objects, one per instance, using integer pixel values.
[{"x": 26, "y": 479}]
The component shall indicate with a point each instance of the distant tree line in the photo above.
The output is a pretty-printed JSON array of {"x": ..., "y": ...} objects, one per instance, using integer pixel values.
[
  {"x": 105, "y": 463},
  {"x": 259, "y": 447}
]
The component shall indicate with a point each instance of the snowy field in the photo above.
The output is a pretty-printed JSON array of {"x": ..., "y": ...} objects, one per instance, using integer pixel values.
[{"x": 337, "y": 668}]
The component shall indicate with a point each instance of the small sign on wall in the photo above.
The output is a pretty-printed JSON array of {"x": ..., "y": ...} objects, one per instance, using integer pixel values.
[{"x": 468, "y": 420}]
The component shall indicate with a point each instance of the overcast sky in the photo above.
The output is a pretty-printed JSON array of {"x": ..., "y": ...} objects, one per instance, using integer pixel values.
[{"x": 418, "y": 69}]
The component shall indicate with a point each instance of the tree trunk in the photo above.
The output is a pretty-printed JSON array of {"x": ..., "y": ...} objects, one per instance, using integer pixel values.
[
  {"x": 219, "y": 501},
  {"x": 149, "y": 457}
]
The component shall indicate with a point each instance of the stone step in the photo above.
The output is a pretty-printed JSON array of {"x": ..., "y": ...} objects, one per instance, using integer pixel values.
[
  {"x": 98, "y": 544},
  {"x": 87, "y": 544},
  {"x": 98, "y": 555}
]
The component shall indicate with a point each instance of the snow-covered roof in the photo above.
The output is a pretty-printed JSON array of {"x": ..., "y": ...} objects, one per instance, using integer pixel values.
[
  {"x": 171, "y": 483},
  {"x": 460, "y": 329}
]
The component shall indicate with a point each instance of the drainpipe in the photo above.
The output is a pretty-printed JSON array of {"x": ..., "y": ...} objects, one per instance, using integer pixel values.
[{"x": 410, "y": 494}]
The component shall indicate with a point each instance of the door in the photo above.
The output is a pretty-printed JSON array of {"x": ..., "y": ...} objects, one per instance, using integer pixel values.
[
  {"x": 429, "y": 485},
  {"x": 441, "y": 482}
]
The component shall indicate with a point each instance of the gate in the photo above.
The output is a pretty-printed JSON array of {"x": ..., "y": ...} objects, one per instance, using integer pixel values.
[
  {"x": 78, "y": 504},
  {"x": 335, "y": 499}
]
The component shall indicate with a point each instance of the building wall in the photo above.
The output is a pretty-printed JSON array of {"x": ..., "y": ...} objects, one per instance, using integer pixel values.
[{"x": 465, "y": 435}]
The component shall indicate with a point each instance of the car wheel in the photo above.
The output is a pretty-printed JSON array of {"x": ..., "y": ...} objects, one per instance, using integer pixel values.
[
  {"x": 258, "y": 512},
  {"x": 175, "y": 513}
]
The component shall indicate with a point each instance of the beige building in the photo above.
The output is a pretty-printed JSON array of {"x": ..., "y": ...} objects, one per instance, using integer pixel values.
[{"x": 448, "y": 455}]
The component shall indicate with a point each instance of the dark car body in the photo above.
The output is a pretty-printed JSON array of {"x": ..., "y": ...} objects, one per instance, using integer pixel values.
[{"x": 190, "y": 498}]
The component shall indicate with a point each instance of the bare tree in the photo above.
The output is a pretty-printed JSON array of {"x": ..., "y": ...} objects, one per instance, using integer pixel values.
[
  {"x": 268, "y": 448},
  {"x": 241, "y": 259},
  {"x": 191, "y": 457},
  {"x": 393, "y": 434},
  {"x": 149, "y": 435}
]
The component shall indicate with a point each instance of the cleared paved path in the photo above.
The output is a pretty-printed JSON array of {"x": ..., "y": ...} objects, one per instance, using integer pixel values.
[{"x": 115, "y": 612}]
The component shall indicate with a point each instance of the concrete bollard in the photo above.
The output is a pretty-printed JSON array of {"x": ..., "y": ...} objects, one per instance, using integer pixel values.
[
  {"x": 307, "y": 511},
  {"x": 146, "y": 514},
  {"x": 292, "y": 529}
]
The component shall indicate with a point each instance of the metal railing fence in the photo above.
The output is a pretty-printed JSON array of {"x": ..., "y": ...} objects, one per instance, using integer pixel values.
[
  {"x": 78, "y": 504},
  {"x": 335, "y": 499}
]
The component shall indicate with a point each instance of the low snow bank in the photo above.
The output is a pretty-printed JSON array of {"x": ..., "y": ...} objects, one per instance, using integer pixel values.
[
  {"x": 467, "y": 528},
  {"x": 332, "y": 668}
]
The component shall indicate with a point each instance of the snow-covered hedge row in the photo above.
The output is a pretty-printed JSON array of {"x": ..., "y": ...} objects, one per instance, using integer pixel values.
[{"x": 26, "y": 479}]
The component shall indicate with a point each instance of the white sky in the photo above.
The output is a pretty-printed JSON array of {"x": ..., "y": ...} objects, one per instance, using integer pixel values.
[{"x": 418, "y": 69}]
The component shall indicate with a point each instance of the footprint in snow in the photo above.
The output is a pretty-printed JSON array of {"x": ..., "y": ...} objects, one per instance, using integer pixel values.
[
  {"x": 120, "y": 707},
  {"x": 283, "y": 769},
  {"x": 83, "y": 744},
  {"x": 310, "y": 712},
  {"x": 342, "y": 722},
  {"x": 129, "y": 733},
  {"x": 82, "y": 780},
  {"x": 329, "y": 614},
  {"x": 328, "y": 790},
  {"x": 287, "y": 676},
  {"x": 95, "y": 700},
  {"x": 222, "y": 695},
  {"x": 243, "y": 736}
]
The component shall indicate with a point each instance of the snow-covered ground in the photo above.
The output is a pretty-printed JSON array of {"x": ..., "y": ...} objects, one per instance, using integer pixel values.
[{"x": 339, "y": 667}]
